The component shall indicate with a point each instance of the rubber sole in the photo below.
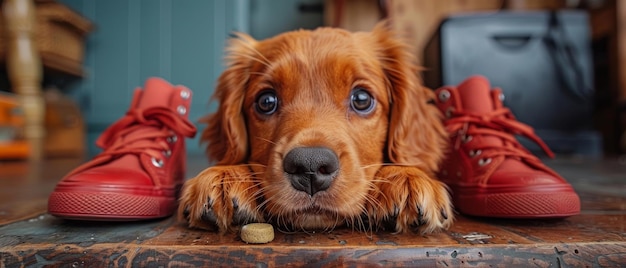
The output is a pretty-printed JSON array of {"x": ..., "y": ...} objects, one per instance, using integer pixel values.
[
  {"x": 544, "y": 204},
  {"x": 109, "y": 206}
]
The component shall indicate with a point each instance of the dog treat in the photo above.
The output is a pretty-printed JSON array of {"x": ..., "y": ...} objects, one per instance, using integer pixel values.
[{"x": 257, "y": 233}]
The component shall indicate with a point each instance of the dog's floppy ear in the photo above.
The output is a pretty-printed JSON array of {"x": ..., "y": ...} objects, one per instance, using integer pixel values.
[
  {"x": 416, "y": 134},
  {"x": 226, "y": 132}
]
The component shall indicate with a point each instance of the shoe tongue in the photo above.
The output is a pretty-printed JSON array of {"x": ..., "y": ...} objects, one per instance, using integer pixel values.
[
  {"x": 156, "y": 93},
  {"x": 475, "y": 95}
]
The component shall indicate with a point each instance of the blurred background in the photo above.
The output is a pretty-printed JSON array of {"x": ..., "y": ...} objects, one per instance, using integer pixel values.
[{"x": 560, "y": 63}]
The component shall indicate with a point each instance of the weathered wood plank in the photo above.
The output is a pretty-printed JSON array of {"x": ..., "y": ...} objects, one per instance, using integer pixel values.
[
  {"x": 578, "y": 241},
  {"x": 538, "y": 255},
  {"x": 578, "y": 229},
  {"x": 29, "y": 237}
]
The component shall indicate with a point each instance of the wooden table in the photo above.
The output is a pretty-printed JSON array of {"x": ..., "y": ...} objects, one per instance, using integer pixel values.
[{"x": 29, "y": 237}]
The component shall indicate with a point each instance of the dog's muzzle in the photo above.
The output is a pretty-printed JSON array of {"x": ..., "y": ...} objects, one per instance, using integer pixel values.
[{"x": 311, "y": 169}]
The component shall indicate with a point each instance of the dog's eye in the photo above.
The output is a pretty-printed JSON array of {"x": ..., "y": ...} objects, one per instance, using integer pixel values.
[
  {"x": 361, "y": 101},
  {"x": 267, "y": 102}
]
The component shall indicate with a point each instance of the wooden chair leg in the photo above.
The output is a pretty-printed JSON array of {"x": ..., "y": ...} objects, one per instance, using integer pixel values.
[{"x": 25, "y": 70}]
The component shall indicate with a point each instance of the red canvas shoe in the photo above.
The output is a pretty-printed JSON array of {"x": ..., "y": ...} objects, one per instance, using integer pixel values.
[
  {"x": 140, "y": 171},
  {"x": 489, "y": 172}
]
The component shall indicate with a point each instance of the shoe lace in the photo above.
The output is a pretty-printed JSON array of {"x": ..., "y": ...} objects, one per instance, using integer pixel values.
[
  {"x": 144, "y": 131},
  {"x": 139, "y": 131},
  {"x": 499, "y": 123}
]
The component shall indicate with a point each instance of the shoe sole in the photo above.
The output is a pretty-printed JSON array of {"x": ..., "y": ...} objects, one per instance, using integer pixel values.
[
  {"x": 519, "y": 204},
  {"x": 99, "y": 206}
]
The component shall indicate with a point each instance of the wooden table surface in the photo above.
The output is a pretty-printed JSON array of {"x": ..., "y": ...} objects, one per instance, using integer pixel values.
[{"x": 31, "y": 238}]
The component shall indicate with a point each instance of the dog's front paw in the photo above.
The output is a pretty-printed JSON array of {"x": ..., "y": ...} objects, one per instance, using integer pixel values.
[
  {"x": 220, "y": 198},
  {"x": 405, "y": 198}
]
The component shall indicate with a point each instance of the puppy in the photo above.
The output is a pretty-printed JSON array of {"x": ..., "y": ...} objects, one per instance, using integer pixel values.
[{"x": 319, "y": 129}]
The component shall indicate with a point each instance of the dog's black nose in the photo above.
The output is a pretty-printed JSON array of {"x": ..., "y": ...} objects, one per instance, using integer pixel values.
[{"x": 311, "y": 169}]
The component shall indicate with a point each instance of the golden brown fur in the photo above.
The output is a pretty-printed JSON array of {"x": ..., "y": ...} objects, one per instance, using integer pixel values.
[{"x": 387, "y": 156}]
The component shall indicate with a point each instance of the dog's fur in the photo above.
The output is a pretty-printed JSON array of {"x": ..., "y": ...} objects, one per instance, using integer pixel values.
[{"x": 387, "y": 156}]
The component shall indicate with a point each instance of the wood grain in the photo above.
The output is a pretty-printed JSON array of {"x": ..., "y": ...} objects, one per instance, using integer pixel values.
[{"x": 30, "y": 237}]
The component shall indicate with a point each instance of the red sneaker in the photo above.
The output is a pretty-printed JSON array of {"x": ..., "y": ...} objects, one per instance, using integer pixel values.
[
  {"x": 140, "y": 171},
  {"x": 489, "y": 172}
]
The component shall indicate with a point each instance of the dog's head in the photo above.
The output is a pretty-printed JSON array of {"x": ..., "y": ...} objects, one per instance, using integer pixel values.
[{"x": 316, "y": 114}]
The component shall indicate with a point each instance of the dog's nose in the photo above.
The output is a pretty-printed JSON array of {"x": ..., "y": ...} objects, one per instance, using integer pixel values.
[{"x": 311, "y": 169}]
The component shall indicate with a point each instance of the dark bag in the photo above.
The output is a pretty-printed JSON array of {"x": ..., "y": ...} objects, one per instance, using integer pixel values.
[{"x": 541, "y": 60}]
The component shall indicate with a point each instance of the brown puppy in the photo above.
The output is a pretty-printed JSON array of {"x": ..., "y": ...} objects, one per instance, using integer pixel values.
[{"x": 318, "y": 129}]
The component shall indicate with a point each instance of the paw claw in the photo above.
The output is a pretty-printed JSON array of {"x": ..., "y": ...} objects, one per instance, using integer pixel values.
[
  {"x": 423, "y": 195},
  {"x": 239, "y": 217},
  {"x": 235, "y": 203},
  {"x": 186, "y": 213},
  {"x": 415, "y": 226},
  {"x": 420, "y": 216},
  {"x": 218, "y": 199},
  {"x": 390, "y": 220},
  {"x": 209, "y": 216}
]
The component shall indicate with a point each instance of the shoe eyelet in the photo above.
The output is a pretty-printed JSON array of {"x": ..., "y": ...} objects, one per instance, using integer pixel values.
[
  {"x": 172, "y": 139},
  {"x": 157, "y": 162},
  {"x": 449, "y": 112},
  {"x": 444, "y": 95},
  {"x": 181, "y": 110},
  {"x": 185, "y": 94},
  {"x": 501, "y": 97},
  {"x": 167, "y": 153},
  {"x": 484, "y": 161},
  {"x": 474, "y": 153},
  {"x": 466, "y": 138}
]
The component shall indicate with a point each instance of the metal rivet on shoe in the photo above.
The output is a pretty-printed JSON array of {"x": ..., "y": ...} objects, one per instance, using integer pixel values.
[
  {"x": 185, "y": 94},
  {"x": 449, "y": 111},
  {"x": 181, "y": 110},
  {"x": 466, "y": 138},
  {"x": 444, "y": 95},
  {"x": 172, "y": 139},
  {"x": 474, "y": 153},
  {"x": 157, "y": 162},
  {"x": 501, "y": 96},
  {"x": 484, "y": 161},
  {"x": 167, "y": 153}
]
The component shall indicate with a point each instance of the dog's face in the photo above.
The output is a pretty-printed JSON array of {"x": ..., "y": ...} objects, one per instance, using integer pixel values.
[
  {"x": 315, "y": 107},
  {"x": 316, "y": 114}
]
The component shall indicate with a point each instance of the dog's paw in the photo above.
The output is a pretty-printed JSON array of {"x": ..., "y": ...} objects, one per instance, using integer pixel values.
[
  {"x": 406, "y": 199},
  {"x": 220, "y": 198}
]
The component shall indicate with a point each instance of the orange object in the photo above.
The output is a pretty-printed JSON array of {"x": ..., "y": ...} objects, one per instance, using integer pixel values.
[
  {"x": 14, "y": 150},
  {"x": 12, "y": 144}
]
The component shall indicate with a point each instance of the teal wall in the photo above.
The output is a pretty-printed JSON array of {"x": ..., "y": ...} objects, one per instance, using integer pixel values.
[
  {"x": 270, "y": 17},
  {"x": 179, "y": 40}
]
